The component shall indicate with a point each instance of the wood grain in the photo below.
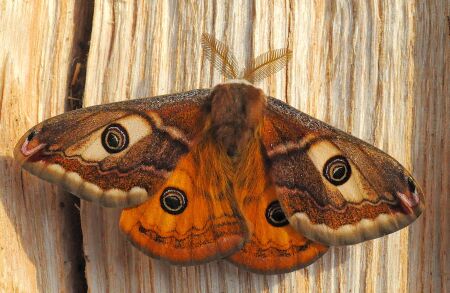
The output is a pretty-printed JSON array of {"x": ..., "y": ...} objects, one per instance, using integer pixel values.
[
  {"x": 39, "y": 244},
  {"x": 377, "y": 69},
  {"x": 356, "y": 65}
]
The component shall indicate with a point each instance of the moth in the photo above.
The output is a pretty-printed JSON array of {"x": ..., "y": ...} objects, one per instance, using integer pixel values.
[{"x": 227, "y": 172}]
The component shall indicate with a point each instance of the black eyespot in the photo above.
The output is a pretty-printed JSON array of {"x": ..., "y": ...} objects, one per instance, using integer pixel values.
[
  {"x": 173, "y": 201},
  {"x": 337, "y": 170},
  {"x": 275, "y": 215},
  {"x": 115, "y": 138},
  {"x": 411, "y": 185},
  {"x": 31, "y": 135}
]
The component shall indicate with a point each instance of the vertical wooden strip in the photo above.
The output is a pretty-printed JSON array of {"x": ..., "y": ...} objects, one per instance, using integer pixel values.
[
  {"x": 429, "y": 241},
  {"x": 39, "y": 245}
]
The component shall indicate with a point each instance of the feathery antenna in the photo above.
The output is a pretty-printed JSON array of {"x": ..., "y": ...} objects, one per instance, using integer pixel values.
[
  {"x": 267, "y": 64},
  {"x": 261, "y": 67},
  {"x": 220, "y": 56}
]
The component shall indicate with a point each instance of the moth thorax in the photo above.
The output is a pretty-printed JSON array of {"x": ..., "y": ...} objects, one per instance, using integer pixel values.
[{"x": 236, "y": 112}]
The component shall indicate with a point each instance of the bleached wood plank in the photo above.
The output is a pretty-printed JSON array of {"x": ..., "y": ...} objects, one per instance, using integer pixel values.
[
  {"x": 37, "y": 233},
  {"x": 357, "y": 65}
]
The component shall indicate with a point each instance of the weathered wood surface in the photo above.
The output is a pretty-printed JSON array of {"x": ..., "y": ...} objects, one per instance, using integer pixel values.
[
  {"x": 377, "y": 69},
  {"x": 38, "y": 238}
]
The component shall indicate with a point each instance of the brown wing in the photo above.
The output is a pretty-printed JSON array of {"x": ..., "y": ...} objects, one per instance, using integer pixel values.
[
  {"x": 193, "y": 218},
  {"x": 274, "y": 246},
  {"x": 116, "y": 154},
  {"x": 335, "y": 188}
]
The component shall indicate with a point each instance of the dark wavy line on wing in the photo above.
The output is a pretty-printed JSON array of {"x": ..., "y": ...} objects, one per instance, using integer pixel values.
[{"x": 382, "y": 199}]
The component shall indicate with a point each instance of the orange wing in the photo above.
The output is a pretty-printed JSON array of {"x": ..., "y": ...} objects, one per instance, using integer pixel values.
[
  {"x": 192, "y": 219},
  {"x": 274, "y": 247}
]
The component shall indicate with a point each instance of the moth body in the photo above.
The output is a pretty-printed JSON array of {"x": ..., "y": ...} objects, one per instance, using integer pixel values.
[{"x": 236, "y": 112}]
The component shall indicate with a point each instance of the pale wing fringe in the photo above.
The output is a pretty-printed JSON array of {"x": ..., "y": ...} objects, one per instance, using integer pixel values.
[{"x": 220, "y": 56}]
